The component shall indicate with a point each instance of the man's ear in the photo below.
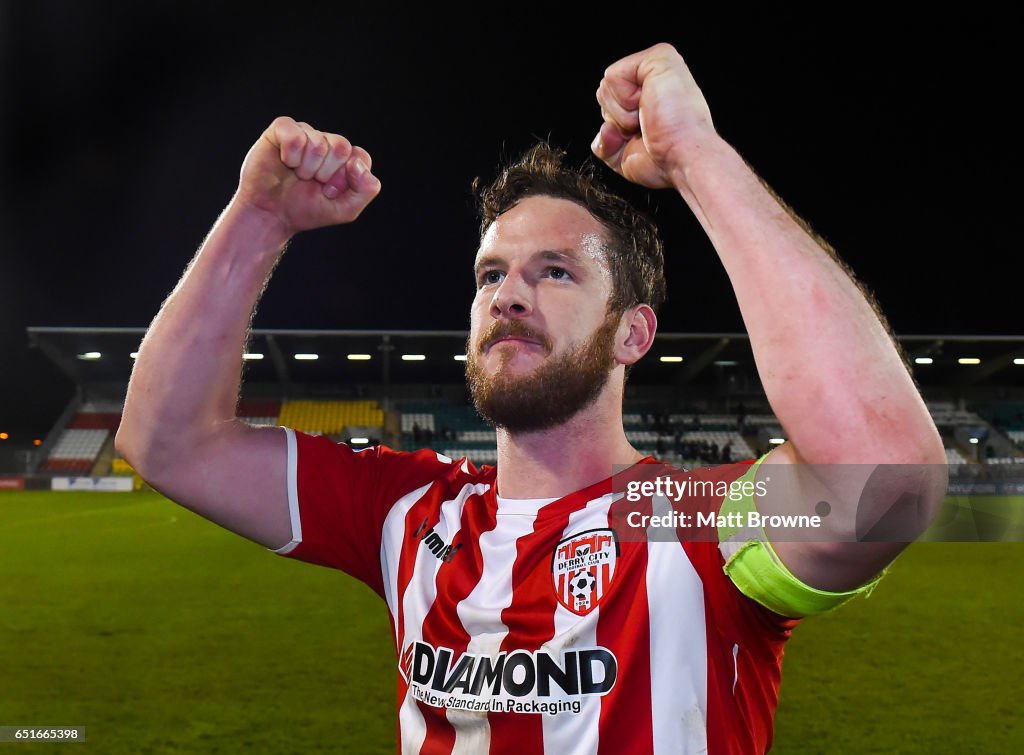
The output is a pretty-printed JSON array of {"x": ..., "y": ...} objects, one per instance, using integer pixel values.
[{"x": 636, "y": 334}]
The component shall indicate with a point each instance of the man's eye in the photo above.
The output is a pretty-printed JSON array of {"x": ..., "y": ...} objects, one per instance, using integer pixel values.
[
  {"x": 490, "y": 276},
  {"x": 559, "y": 273}
]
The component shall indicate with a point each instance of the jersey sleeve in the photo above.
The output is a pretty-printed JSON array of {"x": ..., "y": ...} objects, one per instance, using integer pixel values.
[{"x": 338, "y": 499}]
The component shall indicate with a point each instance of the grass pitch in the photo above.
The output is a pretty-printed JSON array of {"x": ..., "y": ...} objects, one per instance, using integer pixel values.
[{"x": 162, "y": 633}]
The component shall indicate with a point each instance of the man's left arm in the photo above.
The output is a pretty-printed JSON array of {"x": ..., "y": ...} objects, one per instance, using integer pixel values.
[{"x": 829, "y": 366}]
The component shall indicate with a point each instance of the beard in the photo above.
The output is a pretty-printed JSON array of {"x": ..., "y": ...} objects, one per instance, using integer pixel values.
[{"x": 550, "y": 395}]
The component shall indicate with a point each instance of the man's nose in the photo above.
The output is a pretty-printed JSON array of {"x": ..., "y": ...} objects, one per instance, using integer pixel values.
[{"x": 512, "y": 298}]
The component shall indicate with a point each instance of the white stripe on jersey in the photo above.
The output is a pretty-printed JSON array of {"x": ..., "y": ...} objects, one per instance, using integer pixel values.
[
  {"x": 421, "y": 591},
  {"x": 678, "y": 670},
  {"x": 414, "y": 728},
  {"x": 392, "y": 537},
  {"x": 578, "y": 734},
  {"x": 480, "y": 614}
]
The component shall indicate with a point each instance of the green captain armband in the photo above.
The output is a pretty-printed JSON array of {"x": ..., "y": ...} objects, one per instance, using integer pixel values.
[{"x": 756, "y": 570}]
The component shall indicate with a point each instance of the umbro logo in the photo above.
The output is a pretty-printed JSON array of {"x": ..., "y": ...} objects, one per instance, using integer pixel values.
[{"x": 435, "y": 544}]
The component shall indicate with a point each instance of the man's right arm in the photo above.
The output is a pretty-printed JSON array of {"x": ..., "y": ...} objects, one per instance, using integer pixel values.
[{"x": 179, "y": 429}]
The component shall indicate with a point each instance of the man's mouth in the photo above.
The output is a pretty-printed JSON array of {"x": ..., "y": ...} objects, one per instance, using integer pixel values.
[
  {"x": 512, "y": 339},
  {"x": 514, "y": 332}
]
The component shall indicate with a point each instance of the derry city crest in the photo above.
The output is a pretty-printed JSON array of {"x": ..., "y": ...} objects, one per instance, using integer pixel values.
[{"x": 582, "y": 568}]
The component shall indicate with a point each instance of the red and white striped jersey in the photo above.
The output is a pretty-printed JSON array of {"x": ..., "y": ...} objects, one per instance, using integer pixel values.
[{"x": 528, "y": 626}]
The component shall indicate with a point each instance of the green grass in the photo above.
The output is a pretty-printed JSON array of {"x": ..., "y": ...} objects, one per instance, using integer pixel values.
[
  {"x": 160, "y": 632},
  {"x": 932, "y": 662}
]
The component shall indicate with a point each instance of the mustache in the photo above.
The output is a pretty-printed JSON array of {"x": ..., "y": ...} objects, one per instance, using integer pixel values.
[{"x": 511, "y": 328}]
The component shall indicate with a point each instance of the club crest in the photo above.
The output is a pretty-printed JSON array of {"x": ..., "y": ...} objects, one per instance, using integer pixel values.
[{"x": 582, "y": 568}]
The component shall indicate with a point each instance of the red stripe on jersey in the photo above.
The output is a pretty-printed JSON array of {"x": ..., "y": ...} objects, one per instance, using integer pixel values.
[
  {"x": 440, "y": 738},
  {"x": 419, "y": 513},
  {"x": 623, "y": 626},
  {"x": 745, "y": 647},
  {"x": 402, "y": 686},
  {"x": 456, "y": 579},
  {"x": 425, "y": 513},
  {"x": 530, "y": 617},
  {"x": 442, "y": 625},
  {"x": 606, "y": 578}
]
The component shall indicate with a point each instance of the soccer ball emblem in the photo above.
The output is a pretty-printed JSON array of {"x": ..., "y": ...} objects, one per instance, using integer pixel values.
[{"x": 582, "y": 584}]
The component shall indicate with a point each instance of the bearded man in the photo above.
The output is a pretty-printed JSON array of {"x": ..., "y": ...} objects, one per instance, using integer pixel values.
[{"x": 523, "y": 620}]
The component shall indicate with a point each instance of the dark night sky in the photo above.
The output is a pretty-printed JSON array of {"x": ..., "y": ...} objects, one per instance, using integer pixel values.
[{"x": 122, "y": 128}]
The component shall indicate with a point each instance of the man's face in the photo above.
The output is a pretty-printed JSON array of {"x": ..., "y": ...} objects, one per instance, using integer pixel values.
[{"x": 541, "y": 343}]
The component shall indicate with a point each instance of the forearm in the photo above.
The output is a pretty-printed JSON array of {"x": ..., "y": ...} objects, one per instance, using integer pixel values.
[
  {"x": 184, "y": 387},
  {"x": 830, "y": 369}
]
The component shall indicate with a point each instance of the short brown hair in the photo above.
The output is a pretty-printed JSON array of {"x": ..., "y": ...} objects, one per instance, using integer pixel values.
[{"x": 634, "y": 247}]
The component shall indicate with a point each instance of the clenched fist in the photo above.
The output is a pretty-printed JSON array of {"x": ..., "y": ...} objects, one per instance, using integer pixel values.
[
  {"x": 654, "y": 116},
  {"x": 306, "y": 178}
]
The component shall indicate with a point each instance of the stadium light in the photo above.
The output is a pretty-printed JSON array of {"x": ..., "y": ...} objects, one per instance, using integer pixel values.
[
  {"x": 90, "y": 355},
  {"x": 726, "y": 363},
  {"x": 37, "y": 442},
  {"x": 1018, "y": 361},
  {"x": 359, "y": 357},
  {"x": 671, "y": 359},
  {"x": 973, "y": 440},
  {"x": 307, "y": 357},
  {"x": 413, "y": 357},
  {"x": 923, "y": 360},
  {"x": 251, "y": 356},
  {"x": 968, "y": 360},
  {"x": 776, "y": 441},
  {"x": 462, "y": 358},
  {"x": 4, "y": 436},
  {"x": 360, "y": 441}
]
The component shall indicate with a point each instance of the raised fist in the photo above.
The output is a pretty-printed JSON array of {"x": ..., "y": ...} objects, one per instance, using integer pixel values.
[
  {"x": 654, "y": 114},
  {"x": 306, "y": 178}
]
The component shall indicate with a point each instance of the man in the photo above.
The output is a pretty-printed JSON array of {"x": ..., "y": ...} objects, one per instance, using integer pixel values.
[{"x": 523, "y": 620}]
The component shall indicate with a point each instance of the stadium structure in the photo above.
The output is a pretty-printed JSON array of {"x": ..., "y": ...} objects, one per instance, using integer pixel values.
[{"x": 694, "y": 400}]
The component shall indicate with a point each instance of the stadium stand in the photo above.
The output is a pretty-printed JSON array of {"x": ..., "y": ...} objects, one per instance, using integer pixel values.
[
  {"x": 119, "y": 466},
  {"x": 96, "y": 421},
  {"x": 76, "y": 450},
  {"x": 689, "y": 439},
  {"x": 413, "y": 421},
  {"x": 330, "y": 417},
  {"x": 678, "y": 416},
  {"x": 257, "y": 412},
  {"x": 953, "y": 456},
  {"x": 103, "y": 407}
]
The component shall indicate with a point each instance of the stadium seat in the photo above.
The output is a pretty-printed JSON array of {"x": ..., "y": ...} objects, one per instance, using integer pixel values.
[
  {"x": 95, "y": 421},
  {"x": 257, "y": 408},
  {"x": 423, "y": 420},
  {"x": 75, "y": 450},
  {"x": 330, "y": 417},
  {"x": 953, "y": 456}
]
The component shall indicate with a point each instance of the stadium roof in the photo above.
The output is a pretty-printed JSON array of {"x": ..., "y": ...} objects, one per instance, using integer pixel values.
[{"x": 344, "y": 357}]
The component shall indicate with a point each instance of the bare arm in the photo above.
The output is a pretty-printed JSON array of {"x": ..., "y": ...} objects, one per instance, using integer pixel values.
[
  {"x": 830, "y": 369},
  {"x": 179, "y": 429}
]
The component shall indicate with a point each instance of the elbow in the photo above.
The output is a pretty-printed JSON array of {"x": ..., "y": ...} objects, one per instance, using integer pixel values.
[
  {"x": 930, "y": 444},
  {"x": 936, "y": 451},
  {"x": 130, "y": 446},
  {"x": 929, "y": 470},
  {"x": 141, "y": 447},
  {"x": 123, "y": 443}
]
